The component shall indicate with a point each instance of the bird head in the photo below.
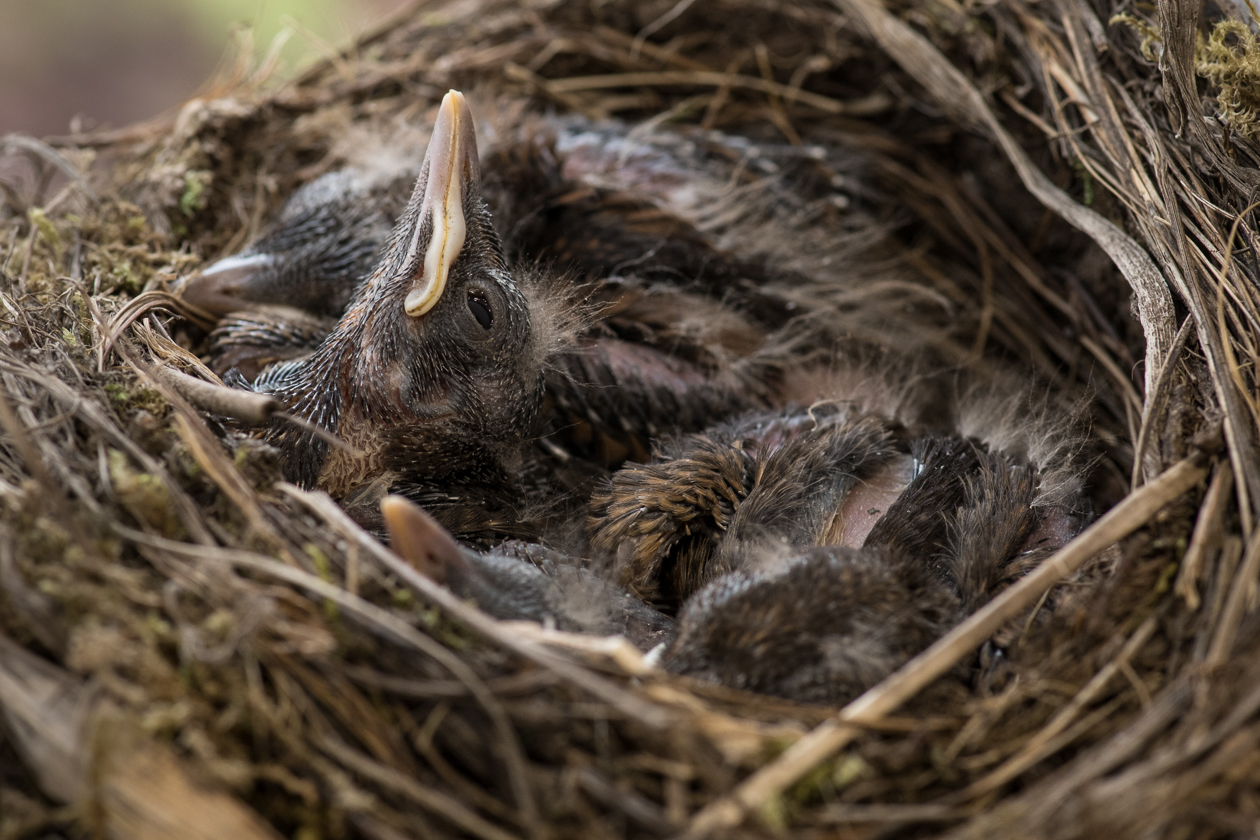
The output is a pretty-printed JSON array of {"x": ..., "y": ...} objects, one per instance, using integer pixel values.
[
  {"x": 435, "y": 369},
  {"x": 327, "y": 239},
  {"x": 443, "y": 325}
]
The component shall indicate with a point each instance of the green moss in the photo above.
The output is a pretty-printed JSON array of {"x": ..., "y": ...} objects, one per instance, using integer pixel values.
[
  {"x": 194, "y": 196},
  {"x": 146, "y": 496},
  {"x": 1230, "y": 59},
  {"x": 1087, "y": 183},
  {"x": 125, "y": 277},
  {"x": 186, "y": 463},
  {"x": 323, "y": 568},
  {"x": 773, "y": 814},
  {"x": 134, "y": 398},
  {"x": 47, "y": 230},
  {"x": 135, "y": 229},
  {"x": 822, "y": 782},
  {"x": 449, "y": 632},
  {"x": 811, "y": 786},
  {"x": 157, "y": 629},
  {"x": 849, "y": 769},
  {"x": 1166, "y": 575},
  {"x": 310, "y": 831}
]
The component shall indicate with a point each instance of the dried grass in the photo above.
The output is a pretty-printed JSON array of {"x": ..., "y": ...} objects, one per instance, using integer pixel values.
[{"x": 236, "y": 655}]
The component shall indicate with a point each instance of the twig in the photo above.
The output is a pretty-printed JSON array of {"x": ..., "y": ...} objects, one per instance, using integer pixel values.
[
  {"x": 246, "y": 406},
  {"x": 660, "y": 23},
  {"x": 91, "y": 413},
  {"x": 895, "y": 814},
  {"x": 836, "y": 733},
  {"x": 1157, "y": 401},
  {"x": 1037, "y": 805},
  {"x": 1177, "y": 257},
  {"x": 86, "y": 754},
  {"x": 951, "y": 89},
  {"x": 615, "y": 648},
  {"x": 778, "y": 114},
  {"x": 146, "y": 302},
  {"x": 48, "y": 153},
  {"x": 1123, "y": 384},
  {"x": 722, "y": 95},
  {"x": 208, "y": 453},
  {"x": 634, "y": 805},
  {"x": 1207, "y": 533},
  {"x": 320, "y": 432},
  {"x": 546, "y": 86},
  {"x": 665, "y": 56},
  {"x": 18, "y": 437},
  {"x": 1241, "y": 590},
  {"x": 524, "y": 683}
]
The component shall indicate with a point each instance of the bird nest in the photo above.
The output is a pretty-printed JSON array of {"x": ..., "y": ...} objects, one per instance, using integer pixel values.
[{"x": 190, "y": 647}]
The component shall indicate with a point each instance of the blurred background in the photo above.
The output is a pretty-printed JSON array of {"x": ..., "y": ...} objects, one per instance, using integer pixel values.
[{"x": 83, "y": 64}]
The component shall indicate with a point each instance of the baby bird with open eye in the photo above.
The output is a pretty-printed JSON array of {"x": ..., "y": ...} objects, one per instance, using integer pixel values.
[
  {"x": 672, "y": 307},
  {"x": 434, "y": 372},
  {"x": 807, "y": 553}
]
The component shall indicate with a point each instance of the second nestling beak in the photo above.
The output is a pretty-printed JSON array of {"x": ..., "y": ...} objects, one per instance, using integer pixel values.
[
  {"x": 316, "y": 255},
  {"x": 224, "y": 286},
  {"x": 451, "y": 166}
]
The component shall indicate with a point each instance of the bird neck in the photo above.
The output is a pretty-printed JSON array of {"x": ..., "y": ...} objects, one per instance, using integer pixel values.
[{"x": 366, "y": 358}]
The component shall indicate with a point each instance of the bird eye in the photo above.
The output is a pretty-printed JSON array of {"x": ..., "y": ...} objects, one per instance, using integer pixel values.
[{"x": 480, "y": 308}]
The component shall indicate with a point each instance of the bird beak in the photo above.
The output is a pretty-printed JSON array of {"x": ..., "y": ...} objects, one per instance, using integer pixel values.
[
  {"x": 418, "y": 539},
  {"x": 450, "y": 166},
  {"x": 221, "y": 287}
]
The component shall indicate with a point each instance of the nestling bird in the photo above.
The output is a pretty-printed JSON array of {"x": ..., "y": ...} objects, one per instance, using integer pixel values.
[
  {"x": 818, "y": 598},
  {"x": 812, "y": 553},
  {"x": 326, "y": 241},
  {"x": 523, "y": 581},
  {"x": 805, "y": 553},
  {"x": 799, "y": 551},
  {"x": 616, "y": 218},
  {"x": 844, "y": 473},
  {"x": 434, "y": 372}
]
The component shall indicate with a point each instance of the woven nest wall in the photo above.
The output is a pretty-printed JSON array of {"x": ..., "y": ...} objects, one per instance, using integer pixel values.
[{"x": 190, "y": 650}]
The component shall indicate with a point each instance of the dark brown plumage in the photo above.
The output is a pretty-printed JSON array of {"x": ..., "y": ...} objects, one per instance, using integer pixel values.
[
  {"x": 326, "y": 241},
  {"x": 824, "y": 623},
  {"x": 434, "y": 373},
  {"x": 673, "y": 319},
  {"x": 523, "y": 581},
  {"x": 821, "y": 626},
  {"x": 773, "y": 607},
  {"x": 806, "y": 552},
  {"x": 767, "y": 483},
  {"x": 248, "y": 342},
  {"x": 810, "y": 553}
]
